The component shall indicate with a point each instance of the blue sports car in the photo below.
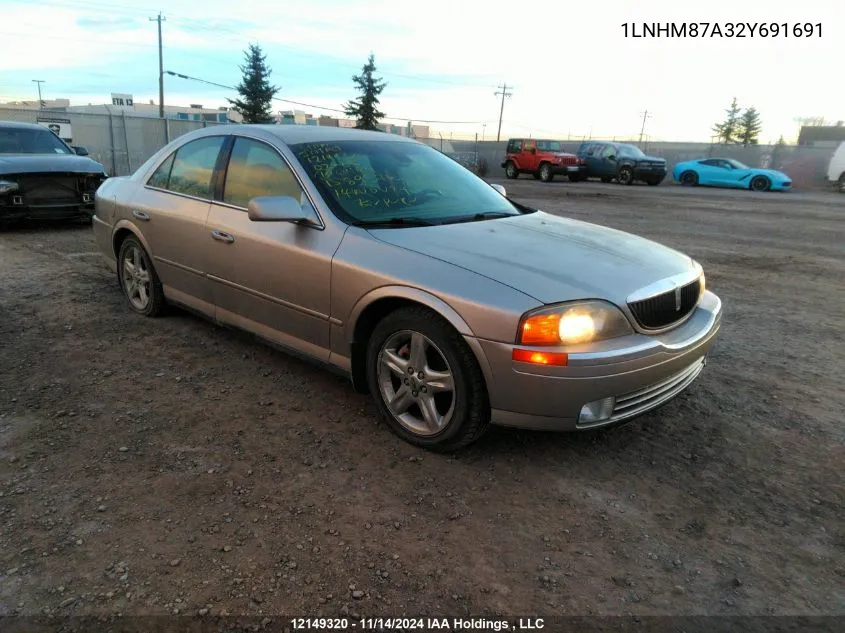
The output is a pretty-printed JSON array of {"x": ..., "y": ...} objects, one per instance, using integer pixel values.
[{"x": 727, "y": 172}]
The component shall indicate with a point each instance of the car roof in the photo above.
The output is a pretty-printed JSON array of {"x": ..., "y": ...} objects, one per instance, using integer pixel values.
[
  {"x": 22, "y": 126},
  {"x": 292, "y": 134}
]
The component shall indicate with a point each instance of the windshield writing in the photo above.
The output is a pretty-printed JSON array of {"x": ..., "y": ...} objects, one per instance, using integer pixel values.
[{"x": 378, "y": 181}]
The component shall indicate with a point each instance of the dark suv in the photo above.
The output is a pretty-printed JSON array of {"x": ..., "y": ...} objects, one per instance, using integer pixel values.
[{"x": 620, "y": 161}]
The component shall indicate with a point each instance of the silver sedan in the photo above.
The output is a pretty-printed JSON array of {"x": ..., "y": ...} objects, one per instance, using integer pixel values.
[{"x": 383, "y": 259}]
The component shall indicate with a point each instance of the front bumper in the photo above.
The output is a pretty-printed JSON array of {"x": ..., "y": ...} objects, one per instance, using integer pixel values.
[
  {"x": 650, "y": 173},
  {"x": 569, "y": 169},
  {"x": 639, "y": 372},
  {"x": 14, "y": 209}
]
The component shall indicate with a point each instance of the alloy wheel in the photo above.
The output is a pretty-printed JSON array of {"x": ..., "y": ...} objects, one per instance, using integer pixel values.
[
  {"x": 136, "y": 278},
  {"x": 416, "y": 383}
]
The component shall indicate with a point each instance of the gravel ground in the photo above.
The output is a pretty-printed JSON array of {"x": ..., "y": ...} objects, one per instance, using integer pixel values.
[{"x": 170, "y": 466}]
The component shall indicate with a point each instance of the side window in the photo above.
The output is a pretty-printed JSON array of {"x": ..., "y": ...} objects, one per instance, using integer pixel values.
[
  {"x": 256, "y": 169},
  {"x": 161, "y": 175},
  {"x": 529, "y": 145},
  {"x": 591, "y": 149},
  {"x": 543, "y": 145},
  {"x": 514, "y": 146},
  {"x": 710, "y": 162},
  {"x": 608, "y": 151},
  {"x": 193, "y": 167}
]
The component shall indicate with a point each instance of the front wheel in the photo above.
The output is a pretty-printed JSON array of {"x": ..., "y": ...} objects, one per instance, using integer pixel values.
[
  {"x": 426, "y": 382},
  {"x": 138, "y": 279},
  {"x": 546, "y": 174},
  {"x": 760, "y": 183},
  {"x": 625, "y": 176},
  {"x": 689, "y": 178},
  {"x": 511, "y": 171}
]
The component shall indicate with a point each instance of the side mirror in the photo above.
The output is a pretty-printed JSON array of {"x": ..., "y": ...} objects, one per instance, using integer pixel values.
[
  {"x": 500, "y": 189},
  {"x": 80, "y": 151},
  {"x": 611, "y": 157},
  {"x": 278, "y": 209}
]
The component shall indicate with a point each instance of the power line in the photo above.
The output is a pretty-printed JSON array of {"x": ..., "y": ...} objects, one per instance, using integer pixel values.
[
  {"x": 160, "y": 19},
  {"x": 316, "y": 107},
  {"x": 503, "y": 90}
]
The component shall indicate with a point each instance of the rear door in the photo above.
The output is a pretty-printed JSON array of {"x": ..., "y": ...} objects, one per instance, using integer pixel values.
[
  {"x": 171, "y": 210},
  {"x": 272, "y": 278}
]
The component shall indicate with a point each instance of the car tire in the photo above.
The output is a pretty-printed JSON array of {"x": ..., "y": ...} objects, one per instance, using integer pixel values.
[
  {"x": 546, "y": 174},
  {"x": 607, "y": 179},
  {"x": 625, "y": 176},
  {"x": 511, "y": 171},
  {"x": 138, "y": 279},
  {"x": 443, "y": 420},
  {"x": 689, "y": 179},
  {"x": 760, "y": 183}
]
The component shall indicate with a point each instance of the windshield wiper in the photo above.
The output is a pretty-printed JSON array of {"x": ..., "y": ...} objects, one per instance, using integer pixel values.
[
  {"x": 395, "y": 222},
  {"x": 487, "y": 215}
]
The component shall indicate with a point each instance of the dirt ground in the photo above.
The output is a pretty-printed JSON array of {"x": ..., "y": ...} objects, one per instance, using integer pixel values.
[{"x": 171, "y": 466}]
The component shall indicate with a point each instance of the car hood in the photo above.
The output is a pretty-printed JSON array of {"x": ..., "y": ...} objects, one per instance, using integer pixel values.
[
  {"x": 547, "y": 257},
  {"x": 44, "y": 163}
]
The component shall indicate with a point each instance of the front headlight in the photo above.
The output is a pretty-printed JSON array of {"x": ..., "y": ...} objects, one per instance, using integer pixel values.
[
  {"x": 572, "y": 323},
  {"x": 702, "y": 284},
  {"x": 7, "y": 186}
]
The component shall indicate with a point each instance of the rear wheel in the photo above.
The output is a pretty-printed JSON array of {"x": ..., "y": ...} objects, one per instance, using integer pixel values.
[
  {"x": 138, "y": 279},
  {"x": 546, "y": 174},
  {"x": 425, "y": 380},
  {"x": 511, "y": 171},
  {"x": 689, "y": 179},
  {"x": 760, "y": 183},
  {"x": 625, "y": 176}
]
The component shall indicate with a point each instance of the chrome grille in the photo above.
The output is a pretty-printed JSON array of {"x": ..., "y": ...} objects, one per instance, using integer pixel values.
[
  {"x": 667, "y": 308},
  {"x": 638, "y": 402}
]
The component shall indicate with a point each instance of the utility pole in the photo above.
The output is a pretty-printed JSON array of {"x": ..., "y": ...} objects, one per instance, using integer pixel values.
[
  {"x": 504, "y": 92},
  {"x": 645, "y": 116},
  {"x": 160, "y": 18},
  {"x": 40, "y": 100}
]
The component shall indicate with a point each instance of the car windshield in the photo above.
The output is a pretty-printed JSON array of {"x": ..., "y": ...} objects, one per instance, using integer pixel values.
[
  {"x": 397, "y": 183},
  {"x": 28, "y": 141},
  {"x": 736, "y": 164},
  {"x": 631, "y": 150},
  {"x": 550, "y": 146}
]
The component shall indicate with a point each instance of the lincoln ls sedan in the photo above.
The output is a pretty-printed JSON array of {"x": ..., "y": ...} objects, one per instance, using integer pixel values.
[{"x": 381, "y": 258}]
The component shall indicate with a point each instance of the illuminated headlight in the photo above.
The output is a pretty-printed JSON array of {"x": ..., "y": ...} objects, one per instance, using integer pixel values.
[
  {"x": 573, "y": 323},
  {"x": 7, "y": 186},
  {"x": 702, "y": 284}
]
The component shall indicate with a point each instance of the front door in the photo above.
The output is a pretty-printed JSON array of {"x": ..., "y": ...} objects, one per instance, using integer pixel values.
[
  {"x": 272, "y": 278},
  {"x": 171, "y": 212},
  {"x": 608, "y": 161},
  {"x": 528, "y": 157}
]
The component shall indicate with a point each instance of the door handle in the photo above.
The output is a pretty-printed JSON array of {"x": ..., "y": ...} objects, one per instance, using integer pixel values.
[
  {"x": 223, "y": 237},
  {"x": 141, "y": 215}
]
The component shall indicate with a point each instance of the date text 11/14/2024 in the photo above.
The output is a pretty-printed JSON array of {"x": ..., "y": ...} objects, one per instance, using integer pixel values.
[
  {"x": 417, "y": 624},
  {"x": 722, "y": 29}
]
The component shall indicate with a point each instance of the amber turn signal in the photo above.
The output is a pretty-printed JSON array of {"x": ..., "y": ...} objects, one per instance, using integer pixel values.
[
  {"x": 541, "y": 329},
  {"x": 540, "y": 358}
]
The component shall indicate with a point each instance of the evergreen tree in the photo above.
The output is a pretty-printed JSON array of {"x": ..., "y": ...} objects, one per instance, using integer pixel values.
[
  {"x": 749, "y": 126},
  {"x": 365, "y": 108},
  {"x": 726, "y": 130},
  {"x": 255, "y": 89}
]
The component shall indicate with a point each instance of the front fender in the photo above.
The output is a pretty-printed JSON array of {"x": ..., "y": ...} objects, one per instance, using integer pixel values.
[{"x": 411, "y": 294}]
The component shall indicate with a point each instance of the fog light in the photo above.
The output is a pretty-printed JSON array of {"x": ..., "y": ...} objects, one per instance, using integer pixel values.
[{"x": 597, "y": 411}]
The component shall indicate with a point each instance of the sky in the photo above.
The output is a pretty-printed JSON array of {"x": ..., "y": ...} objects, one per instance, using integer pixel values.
[{"x": 574, "y": 73}]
